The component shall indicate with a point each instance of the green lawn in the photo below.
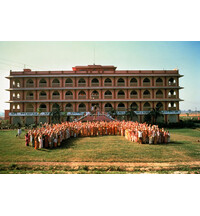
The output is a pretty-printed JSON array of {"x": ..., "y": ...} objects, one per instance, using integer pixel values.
[{"x": 184, "y": 147}]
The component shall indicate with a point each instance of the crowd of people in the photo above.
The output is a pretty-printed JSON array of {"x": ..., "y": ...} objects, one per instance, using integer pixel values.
[{"x": 51, "y": 136}]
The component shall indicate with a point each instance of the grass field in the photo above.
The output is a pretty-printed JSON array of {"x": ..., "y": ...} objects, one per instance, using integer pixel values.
[{"x": 184, "y": 147}]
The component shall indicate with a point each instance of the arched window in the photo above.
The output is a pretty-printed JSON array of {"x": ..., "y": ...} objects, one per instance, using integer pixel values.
[
  {"x": 159, "y": 106},
  {"x": 29, "y": 108},
  {"x": 146, "y": 82},
  {"x": 95, "y": 94},
  {"x": 13, "y": 95},
  {"x": 81, "y": 82},
  {"x": 82, "y": 95},
  {"x": 133, "y": 94},
  {"x": 68, "y": 95},
  {"x": 18, "y": 96},
  {"x": 146, "y": 94},
  {"x": 107, "y": 82},
  {"x": 56, "y": 95},
  {"x": 82, "y": 107},
  {"x": 108, "y": 95},
  {"x": 159, "y": 82},
  {"x": 172, "y": 94},
  {"x": 95, "y": 82},
  {"x": 172, "y": 106},
  {"x": 16, "y": 84},
  {"x": 172, "y": 81},
  {"x": 42, "y": 95},
  {"x": 13, "y": 107},
  {"x": 69, "y": 107},
  {"x": 159, "y": 94},
  {"x": 30, "y": 96},
  {"x": 120, "y": 82},
  {"x": 43, "y": 107},
  {"x": 18, "y": 107},
  {"x": 133, "y": 82},
  {"x": 134, "y": 106},
  {"x": 29, "y": 83},
  {"x": 43, "y": 83},
  {"x": 55, "y": 83},
  {"x": 108, "y": 107},
  {"x": 68, "y": 82},
  {"x": 121, "y": 107},
  {"x": 147, "y": 106},
  {"x": 55, "y": 107},
  {"x": 121, "y": 94}
]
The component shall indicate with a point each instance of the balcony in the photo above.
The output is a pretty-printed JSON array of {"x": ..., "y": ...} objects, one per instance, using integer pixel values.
[
  {"x": 82, "y": 97},
  {"x": 146, "y": 108},
  {"x": 29, "y": 97},
  {"x": 55, "y": 97},
  {"x": 171, "y": 108},
  {"x": 121, "y": 97},
  {"x": 29, "y": 85},
  {"x": 172, "y": 96},
  {"x": 107, "y": 96},
  {"x": 107, "y": 109},
  {"x": 146, "y": 96},
  {"x": 16, "y": 110},
  {"x": 159, "y": 84},
  {"x": 95, "y": 96},
  {"x": 172, "y": 84},
  {"x": 68, "y": 84},
  {"x": 121, "y": 109},
  {"x": 107, "y": 84},
  {"x": 43, "y": 97},
  {"x": 81, "y": 109},
  {"x": 95, "y": 84},
  {"x": 133, "y": 96},
  {"x": 82, "y": 85},
  {"x": 120, "y": 84},
  {"x": 159, "y": 96},
  {"x": 133, "y": 84},
  {"x": 55, "y": 84},
  {"x": 42, "y": 84},
  {"x": 67, "y": 97},
  {"x": 69, "y": 110},
  {"x": 146, "y": 84},
  {"x": 29, "y": 109}
]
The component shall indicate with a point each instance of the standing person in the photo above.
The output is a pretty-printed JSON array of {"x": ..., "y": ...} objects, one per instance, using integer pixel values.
[
  {"x": 27, "y": 139},
  {"x": 168, "y": 137},
  {"x": 140, "y": 136},
  {"x": 19, "y": 132},
  {"x": 36, "y": 142}
]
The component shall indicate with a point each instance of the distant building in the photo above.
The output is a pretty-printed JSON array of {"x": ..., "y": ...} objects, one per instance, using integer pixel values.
[{"x": 78, "y": 90}]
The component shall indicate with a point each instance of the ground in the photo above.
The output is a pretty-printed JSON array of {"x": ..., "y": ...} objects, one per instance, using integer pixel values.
[{"x": 104, "y": 154}]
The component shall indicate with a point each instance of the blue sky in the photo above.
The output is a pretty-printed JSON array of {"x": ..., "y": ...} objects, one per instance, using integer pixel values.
[{"x": 124, "y": 55}]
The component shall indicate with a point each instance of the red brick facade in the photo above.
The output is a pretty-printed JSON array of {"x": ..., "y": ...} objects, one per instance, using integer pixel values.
[{"x": 77, "y": 90}]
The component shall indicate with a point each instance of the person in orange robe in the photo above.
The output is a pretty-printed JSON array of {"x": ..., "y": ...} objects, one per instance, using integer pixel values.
[
  {"x": 115, "y": 129},
  {"x": 36, "y": 141}
]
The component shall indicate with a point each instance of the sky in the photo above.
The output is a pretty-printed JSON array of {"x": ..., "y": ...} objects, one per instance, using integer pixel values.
[{"x": 123, "y": 54}]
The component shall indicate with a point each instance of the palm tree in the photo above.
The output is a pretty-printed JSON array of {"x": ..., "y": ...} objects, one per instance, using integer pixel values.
[
  {"x": 153, "y": 114},
  {"x": 55, "y": 115},
  {"x": 130, "y": 113},
  {"x": 113, "y": 112}
]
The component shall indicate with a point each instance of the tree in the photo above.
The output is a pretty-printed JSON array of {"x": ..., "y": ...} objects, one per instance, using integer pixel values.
[
  {"x": 153, "y": 115},
  {"x": 55, "y": 115},
  {"x": 130, "y": 113},
  {"x": 113, "y": 112}
]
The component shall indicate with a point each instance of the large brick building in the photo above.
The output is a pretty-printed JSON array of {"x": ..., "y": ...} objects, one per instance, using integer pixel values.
[{"x": 77, "y": 90}]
